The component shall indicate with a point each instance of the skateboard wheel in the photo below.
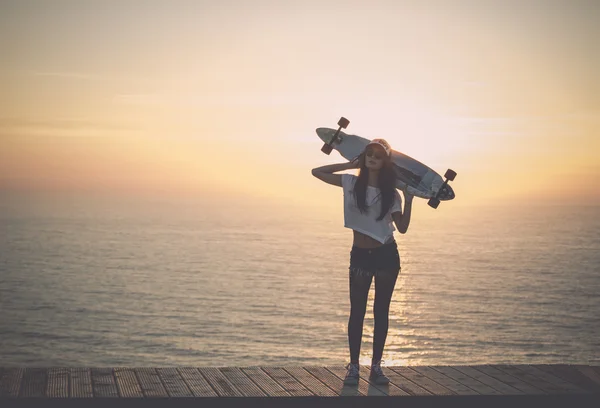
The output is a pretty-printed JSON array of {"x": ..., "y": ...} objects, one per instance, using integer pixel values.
[
  {"x": 450, "y": 174},
  {"x": 343, "y": 122},
  {"x": 433, "y": 202},
  {"x": 326, "y": 148}
]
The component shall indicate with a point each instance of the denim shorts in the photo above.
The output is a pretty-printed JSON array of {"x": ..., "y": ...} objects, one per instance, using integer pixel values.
[{"x": 384, "y": 259}]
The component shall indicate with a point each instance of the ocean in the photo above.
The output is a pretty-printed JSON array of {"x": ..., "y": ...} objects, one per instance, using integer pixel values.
[{"x": 100, "y": 283}]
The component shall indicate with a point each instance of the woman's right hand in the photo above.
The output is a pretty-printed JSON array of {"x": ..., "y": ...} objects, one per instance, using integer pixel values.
[{"x": 354, "y": 164}]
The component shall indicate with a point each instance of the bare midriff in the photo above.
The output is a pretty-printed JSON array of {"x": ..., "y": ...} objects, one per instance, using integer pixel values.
[{"x": 364, "y": 241}]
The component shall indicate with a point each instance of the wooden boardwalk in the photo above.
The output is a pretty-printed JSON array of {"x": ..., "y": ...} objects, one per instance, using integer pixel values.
[{"x": 319, "y": 385}]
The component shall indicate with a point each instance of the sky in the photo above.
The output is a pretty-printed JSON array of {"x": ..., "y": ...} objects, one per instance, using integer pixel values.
[{"x": 222, "y": 98}]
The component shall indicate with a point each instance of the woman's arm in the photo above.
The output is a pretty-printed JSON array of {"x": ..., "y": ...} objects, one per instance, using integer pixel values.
[
  {"x": 402, "y": 219},
  {"x": 325, "y": 173}
]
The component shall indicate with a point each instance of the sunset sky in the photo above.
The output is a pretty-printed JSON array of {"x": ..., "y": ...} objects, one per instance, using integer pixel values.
[{"x": 223, "y": 97}]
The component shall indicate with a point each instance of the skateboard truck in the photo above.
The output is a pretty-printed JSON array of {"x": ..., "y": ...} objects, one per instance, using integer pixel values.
[
  {"x": 434, "y": 201},
  {"x": 343, "y": 123}
]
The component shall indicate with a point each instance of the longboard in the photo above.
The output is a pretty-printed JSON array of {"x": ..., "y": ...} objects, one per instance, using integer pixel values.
[{"x": 419, "y": 180}]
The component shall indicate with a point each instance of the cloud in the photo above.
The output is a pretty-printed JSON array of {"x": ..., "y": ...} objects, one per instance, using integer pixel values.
[
  {"x": 67, "y": 75},
  {"x": 138, "y": 99},
  {"x": 59, "y": 125}
]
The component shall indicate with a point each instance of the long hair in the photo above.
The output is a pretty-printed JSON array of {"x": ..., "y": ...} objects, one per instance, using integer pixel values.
[{"x": 386, "y": 182}]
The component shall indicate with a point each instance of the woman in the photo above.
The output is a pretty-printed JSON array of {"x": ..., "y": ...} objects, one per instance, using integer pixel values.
[{"x": 371, "y": 203}]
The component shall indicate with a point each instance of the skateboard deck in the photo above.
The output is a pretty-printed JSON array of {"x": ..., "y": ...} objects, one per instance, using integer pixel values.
[{"x": 421, "y": 180}]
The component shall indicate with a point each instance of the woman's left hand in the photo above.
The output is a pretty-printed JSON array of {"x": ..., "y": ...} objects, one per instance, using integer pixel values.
[{"x": 407, "y": 195}]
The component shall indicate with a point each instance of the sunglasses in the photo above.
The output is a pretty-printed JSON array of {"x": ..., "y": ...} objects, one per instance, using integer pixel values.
[{"x": 374, "y": 154}]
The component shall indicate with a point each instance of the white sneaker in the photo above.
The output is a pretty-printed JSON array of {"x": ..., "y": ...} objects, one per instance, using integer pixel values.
[{"x": 352, "y": 374}]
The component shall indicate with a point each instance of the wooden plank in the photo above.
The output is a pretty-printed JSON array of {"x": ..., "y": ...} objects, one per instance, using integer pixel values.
[
  {"x": 527, "y": 377},
  {"x": 173, "y": 382},
  {"x": 364, "y": 386},
  {"x": 510, "y": 380},
  {"x": 424, "y": 381},
  {"x": 34, "y": 383},
  {"x": 10, "y": 382},
  {"x": 219, "y": 382},
  {"x": 334, "y": 382},
  {"x": 150, "y": 382},
  {"x": 565, "y": 386},
  {"x": 127, "y": 383},
  {"x": 58, "y": 383},
  {"x": 242, "y": 382},
  {"x": 590, "y": 373},
  {"x": 81, "y": 383},
  {"x": 501, "y": 387},
  {"x": 316, "y": 386},
  {"x": 397, "y": 376},
  {"x": 390, "y": 389},
  {"x": 196, "y": 382},
  {"x": 268, "y": 385},
  {"x": 571, "y": 374},
  {"x": 287, "y": 382},
  {"x": 103, "y": 382},
  {"x": 454, "y": 386},
  {"x": 467, "y": 381}
]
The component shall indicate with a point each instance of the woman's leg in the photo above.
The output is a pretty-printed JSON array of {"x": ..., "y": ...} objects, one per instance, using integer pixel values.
[
  {"x": 384, "y": 288},
  {"x": 359, "y": 291}
]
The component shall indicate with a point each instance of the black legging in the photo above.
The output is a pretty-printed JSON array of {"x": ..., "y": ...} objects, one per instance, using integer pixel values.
[{"x": 359, "y": 292}]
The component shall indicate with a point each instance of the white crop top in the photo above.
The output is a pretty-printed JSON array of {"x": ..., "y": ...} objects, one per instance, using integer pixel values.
[{"x": 367, "y": 223}]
